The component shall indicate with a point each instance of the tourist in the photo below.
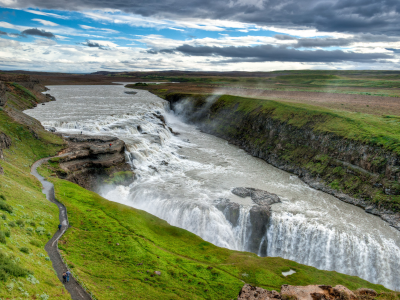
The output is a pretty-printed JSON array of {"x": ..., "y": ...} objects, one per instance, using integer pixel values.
[
  {"x": 59, "y": 226},
  {"x": 68, "y": 275},
  {"x": 64, "y": 277}
]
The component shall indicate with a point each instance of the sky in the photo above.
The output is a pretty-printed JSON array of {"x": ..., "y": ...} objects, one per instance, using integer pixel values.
[{"x": 84, "y": 36}]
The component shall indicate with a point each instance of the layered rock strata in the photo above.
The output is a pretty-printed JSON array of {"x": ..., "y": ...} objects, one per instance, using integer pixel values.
[{"x": 91, "y": 161}]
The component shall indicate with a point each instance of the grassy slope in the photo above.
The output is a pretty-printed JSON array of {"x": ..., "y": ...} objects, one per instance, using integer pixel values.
[
  {"x": 23, "y": 193},
  {"x": 108, "y": 241}
]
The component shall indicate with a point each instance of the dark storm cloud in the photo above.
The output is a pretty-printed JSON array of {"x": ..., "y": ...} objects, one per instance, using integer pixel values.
[
  {"x": 38, "y": 32},
  {"x": 393, "y": 50},
  {"x": 93, "y": 45},
  {"x": 265, "y": 53},
  {"x": 335, "y": 42},
  {"x": 368, "y": 16},
  {"x": 3, "y": 33},
  {"x": 284, "y": 37}
]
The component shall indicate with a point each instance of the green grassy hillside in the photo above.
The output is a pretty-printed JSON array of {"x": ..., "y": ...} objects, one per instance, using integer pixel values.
[{"x": 27, "y": 218}]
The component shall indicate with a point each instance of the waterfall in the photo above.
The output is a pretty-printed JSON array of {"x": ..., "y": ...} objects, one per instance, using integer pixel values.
[{"x": 181, "y": 179}]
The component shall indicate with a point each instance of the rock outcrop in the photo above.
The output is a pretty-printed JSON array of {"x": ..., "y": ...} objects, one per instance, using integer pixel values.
[
  {"x": 309, "y": 292},
  {"x": 322, "y": 160},
  {"x": 260, "y": 213},
  {"x": 5, "y": 143},
  {"x": 91, "y": 160},
  {"x": 3, "y": 98},
  {"x": 249, "y": 292}
]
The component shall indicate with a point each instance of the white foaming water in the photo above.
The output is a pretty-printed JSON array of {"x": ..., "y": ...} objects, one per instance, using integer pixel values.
[{"x": 180, "y": 177}]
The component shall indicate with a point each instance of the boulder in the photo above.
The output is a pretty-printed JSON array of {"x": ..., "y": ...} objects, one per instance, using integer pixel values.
[
  {"x": 249, "y": 292},
  {"x": 317, "y": 292},
  {"x": 258, "y": 196}
]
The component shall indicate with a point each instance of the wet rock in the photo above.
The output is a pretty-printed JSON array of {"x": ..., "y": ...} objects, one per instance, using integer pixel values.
[
  {"x": 51, "y": 129},
  {"x": 231, "y": 210},
  {"x": 241, "y": 192},
  {"x": 50, "y": 97},
  {"x": 161, "y": 118},
  {"x": 259, "y": 219},
  {"x": 249, "y": 292},
  {"x": 258, "y": 196}
]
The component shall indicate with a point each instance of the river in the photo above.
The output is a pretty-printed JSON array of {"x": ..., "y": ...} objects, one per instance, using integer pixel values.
[{"x": 178, "y": 178}]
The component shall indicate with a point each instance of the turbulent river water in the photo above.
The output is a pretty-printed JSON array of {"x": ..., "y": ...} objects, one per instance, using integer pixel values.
[{"x": 178, "y": 178}]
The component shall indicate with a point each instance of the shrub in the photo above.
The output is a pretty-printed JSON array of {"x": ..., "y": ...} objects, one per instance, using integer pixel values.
[
  {"x": 7, "y": 233},
  {"x": 20, "y": 223},
  {"x": 35, "y": 243},
  {"x": 4, "y": 217},
  {"x": 2, "y": 237},
  {"x": 24, "y": 250},
  {"x": 10, "y": 268},
  {"x": 12, "y": 224},
  {"x": 40, "y": 230},
  {"x": 2, "y": 197},
  {"x": 32, "y": 224},
  {"x": 4, "y": 206}
]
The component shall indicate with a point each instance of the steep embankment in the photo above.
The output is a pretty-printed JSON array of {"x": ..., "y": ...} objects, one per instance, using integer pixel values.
[
  {"x": 28, "y": 219},
  {"x": 352, "y": 156}
]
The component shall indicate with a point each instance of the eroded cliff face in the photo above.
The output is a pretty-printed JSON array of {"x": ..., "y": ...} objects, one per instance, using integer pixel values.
[
  {"x": 5, "y": 143},
  {"x": 91, "y": 161},
  {"x": 364, "y": 175},
  {"x": 3, "y": 90}
]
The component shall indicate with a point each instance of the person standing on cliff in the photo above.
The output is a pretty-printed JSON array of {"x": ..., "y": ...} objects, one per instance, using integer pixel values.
[
  {"x": 59, "y": 226},
  {"x": 64, "y": 275}
]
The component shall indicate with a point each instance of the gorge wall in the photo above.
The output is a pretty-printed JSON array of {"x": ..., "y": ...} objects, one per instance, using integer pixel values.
[{"x": 366, "y": 175}]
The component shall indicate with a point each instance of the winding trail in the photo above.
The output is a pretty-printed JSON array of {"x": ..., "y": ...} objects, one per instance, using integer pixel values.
[{"x": 74, "y": 288}]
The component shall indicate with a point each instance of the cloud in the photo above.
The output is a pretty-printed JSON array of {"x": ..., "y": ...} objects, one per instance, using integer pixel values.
[
  {"x": 86, "y": 27},
  {"x": 94, "y": 44},
  {"x": 3, "y": 33},
  {"x": 45, "y": 22},
  {"x": 41, "y": 13},
  {"x": 356, "y": 16},
  {"x": 284, "y": 37},
  {"x": 38, "y": 32},
  {"x": 264, "y": 53}
]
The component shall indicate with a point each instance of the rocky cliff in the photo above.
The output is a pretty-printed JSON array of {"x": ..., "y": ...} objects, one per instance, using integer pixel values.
[
  {"x": 90, "y": 161},
  {"x": 366, "y": 175}
]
